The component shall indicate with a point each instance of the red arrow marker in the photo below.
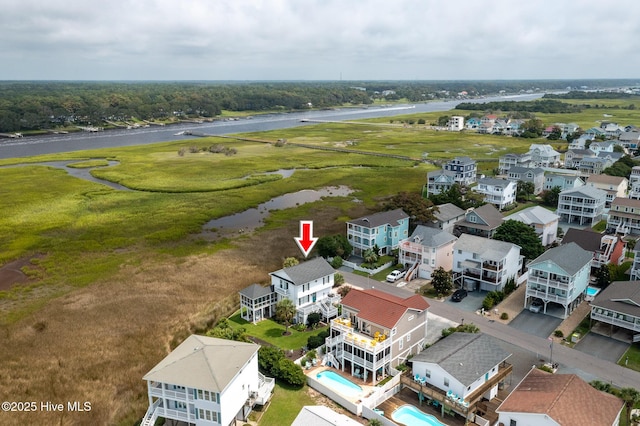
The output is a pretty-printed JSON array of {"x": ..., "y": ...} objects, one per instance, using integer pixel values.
[{"x": 306, "y": 241}]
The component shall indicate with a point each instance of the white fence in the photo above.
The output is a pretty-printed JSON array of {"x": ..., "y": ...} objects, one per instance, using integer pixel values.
[
  {"x": 354, "y": 407},
  {"x": 357, "y": 267}
]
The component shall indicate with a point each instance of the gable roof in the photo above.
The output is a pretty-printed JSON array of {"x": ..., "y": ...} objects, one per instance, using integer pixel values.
[
  {"x": 391, "y": 217},
  {"x": 490, "y": 215},
  {"x": 489, "y": 249},
  {"x": 566, "y": 398},
  {"x": 624, "y": 202},
  {"x": 255, "y": 291},
  {"x": 465, "y": 356},
  {"x": 305, "y": 272},
  {"x": 431, "y": 237},
  {"x": 620, "y": 296},
  {"x": 496, "y": 182},
  {"x": 587, "y": 191},
  {"x": 569, "y": 257},
  {"x": 606, "y": 179},
  {"x": 535, "y": 215},
  {"x": 587, "y": 239},
  {"x": 520, "y": 170},
  {"x": 447, "y": 212},
  {"x": 203, "y": 362},
  {"x": 382, "y": 308},
  {"x": 318, "y": 415}
]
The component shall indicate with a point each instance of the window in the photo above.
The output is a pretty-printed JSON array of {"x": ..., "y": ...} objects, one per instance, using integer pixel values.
[
  {"x": 512, "y": 423},
  {"x": 410, "y": 317},
  {"x": 446, "y": 381},
  {"x": 400, "y": 343},
  {"x": 394, "y": 331},
  {"x": 408, "y": 337},
  {"x": 427, "y": 374}
]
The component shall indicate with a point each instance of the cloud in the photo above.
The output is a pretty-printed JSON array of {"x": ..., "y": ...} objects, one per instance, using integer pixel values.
[{"x": 318, "y": 39}]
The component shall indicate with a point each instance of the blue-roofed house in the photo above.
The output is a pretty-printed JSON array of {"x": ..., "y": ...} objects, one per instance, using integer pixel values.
[{"x": 384, "y": 230}]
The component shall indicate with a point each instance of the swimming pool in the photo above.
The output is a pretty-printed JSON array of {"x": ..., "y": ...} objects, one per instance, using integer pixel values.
[
  {"x": 339, "y": 384},
  {"x": 591, "y": 292},
  {"x": 411, "y": 416}
]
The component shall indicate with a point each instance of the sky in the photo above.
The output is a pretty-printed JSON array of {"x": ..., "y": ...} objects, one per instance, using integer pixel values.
[{"x": 318, "y": 39}]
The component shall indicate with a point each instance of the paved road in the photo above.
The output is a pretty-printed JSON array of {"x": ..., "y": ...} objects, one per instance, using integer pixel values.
[{"x": 570, "y": 360}]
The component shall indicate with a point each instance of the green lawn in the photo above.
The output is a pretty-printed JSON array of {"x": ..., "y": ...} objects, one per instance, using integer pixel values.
[
  {"x": 285, "y": 405},
  {"x": 633, "y": 356},
  {"x": 270, "y": 331}
]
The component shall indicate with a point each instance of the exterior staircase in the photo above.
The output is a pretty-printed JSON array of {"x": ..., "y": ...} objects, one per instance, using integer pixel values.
[{"x": 151, "y": 415}]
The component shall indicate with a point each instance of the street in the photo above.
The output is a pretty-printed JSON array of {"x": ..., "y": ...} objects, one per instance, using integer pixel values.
[{"x": 572, "y": 361}]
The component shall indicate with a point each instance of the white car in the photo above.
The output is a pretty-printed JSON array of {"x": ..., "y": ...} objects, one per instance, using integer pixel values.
[{"x": 395, "y": 275}]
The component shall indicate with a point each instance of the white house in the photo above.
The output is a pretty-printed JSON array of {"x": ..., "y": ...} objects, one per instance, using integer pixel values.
[
  {"x": 543, "y": 221},
  {"x": 634, "y": 183},
  {"x": 545, "y": 399},
  {"x": 207, "y": 381},
  {"x": 456, "y": 123},
  {"x": 308, "y": 285},
  {"x": 499, "y": 192},
  {"x": 528, "y": 174},
  {"x": 543, "y": 155},
  {"x": 614, "y": 186},
  {"x": 559, "y": 276},
  {"x": 507, "y": 161},
  {"x": 624, "y": 216},
  {"x": 463, "y": 363},
  {"x": 483, "y": 264},
  {"x": 428, "y": 249},
  {"x": 562, "y": 181},
  {"x": 440, "y": 181},
  {"x": 376, "y": 331},
  {"x": 583, "y": 205}
]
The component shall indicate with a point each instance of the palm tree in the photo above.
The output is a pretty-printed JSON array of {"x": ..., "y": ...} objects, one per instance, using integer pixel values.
[
  {"x": 374, "y": 422},
  {"x": 285, "y": 311},
  {"x": 631, "y": 397}
]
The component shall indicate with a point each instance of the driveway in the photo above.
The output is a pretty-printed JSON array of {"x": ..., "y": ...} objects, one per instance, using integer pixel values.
[
  {"x": 471, "y": 303},
  {"x": 539, "y": 324},
  {"x": 602, "y": 347}
]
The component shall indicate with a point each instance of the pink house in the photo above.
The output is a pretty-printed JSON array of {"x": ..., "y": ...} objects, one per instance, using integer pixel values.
[{"x": 426, "y": 250}]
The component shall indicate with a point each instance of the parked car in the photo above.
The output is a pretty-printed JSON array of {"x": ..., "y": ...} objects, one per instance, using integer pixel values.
[
  {"x": 536, "y": 306},
  {"x": 458, "y": 295},
  {"x": 395, "y": 275}
]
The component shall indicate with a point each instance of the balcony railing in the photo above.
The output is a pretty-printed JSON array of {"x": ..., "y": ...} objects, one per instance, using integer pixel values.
[
  {"x": 547, "y": 282},
  {"x": 178, "y": 395},
  {"x": 350, "y": 335},
  {"x": 549, "y": 297},
  {"x": 619, "y": 322}
]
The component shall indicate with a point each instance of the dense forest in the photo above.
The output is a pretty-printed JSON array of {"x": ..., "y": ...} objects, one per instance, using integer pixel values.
[
  {"x": 544, "y": 106},
  {"x": 581, "y": 94},
  {"x": 41, "y": 105}
]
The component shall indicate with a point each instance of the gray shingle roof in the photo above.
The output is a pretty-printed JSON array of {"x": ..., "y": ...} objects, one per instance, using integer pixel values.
[
  {"x": 588, "y": 191},
  {"x": 448, "y": 211},
  {"x": 431, "y": 237},
  {"x": 391, "y": 217},
  {"x": 466, "y": 356},
  {"x": 570, "y": 257},
  {"x": 620, "y": 296},
  {"x": 255, "y": 290},
  {"x": 202, "y": 362},
  {"x": 305, "y": 272},
  {"x": 489, "y": 249},
  {"x": 535, "y": 214},
  {"x": 494, "y": 181},
  {"x": 488, "y": 214}
]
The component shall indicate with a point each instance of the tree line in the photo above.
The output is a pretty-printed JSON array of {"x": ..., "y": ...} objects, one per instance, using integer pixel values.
[{"x": 548, "y": 106}]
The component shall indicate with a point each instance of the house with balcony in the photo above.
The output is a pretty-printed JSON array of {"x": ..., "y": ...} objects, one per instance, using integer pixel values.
[
  {"x": 499, "y": 192},
  {"x": 440, "y": 181},
  {"x": 470, "y": 366},
  {"x": 507, "y": 161},
  {"x": 559, "y": 276},
  {"x": 545, "y": 399},
  {"x": 375, "y": 332},
  {"x": 528, "y": 174},
  {"x": 634, "y": 183},
  {"x": 635, "y": 267},
  {"x": 543, "y": 155},
  {"x": 482, "y": 221},
  {"x": 308, "y": 285},
  {"x": 629, "y": 140},
  {"x": 485, "y": 265},
  {"x": 614, "y": 186},
  {"x": 543, "y": 221},
  {"x": 604, "y": 146},
  {"x": 624, "y": 216},
  {"x": 573, "y": 157},
  {"x": 465, "y": 170},
  {"x": 594, "y": 165},
  {"x": 619, "y": 306},
  {"x": 562, "y": 181},
  {"x": 446, "y": 217},
  {"x": 257, "y": 302},
  {"x": 583, "y": 205},
  {"x": 606, "y": 249},
  {"x": 426, "y": 250},
  {"x": 383, "y": 230},
  {"x": 205, "y": 381}
]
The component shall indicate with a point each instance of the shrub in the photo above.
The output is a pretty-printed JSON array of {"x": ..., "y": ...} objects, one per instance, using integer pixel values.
[
  {"x": 338, "y": 280},
  {"x": 558, "y": 333},
  {"x": 344, "y": 290},
  {"x": 336, "y": 262},
  {"x": 300, "y": 327},
  {"x": 290, "y": 372},
  {"x": 317, "y": 340},
  {"x": 313, "y": 319},
  {"x": 488, "y": 302},
  {"x": 510, "y": 286},
  {"x": 504, "y": 316}
]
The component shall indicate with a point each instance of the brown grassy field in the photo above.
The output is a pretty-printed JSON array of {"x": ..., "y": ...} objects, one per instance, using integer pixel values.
[{"x": 96, "y": 343}]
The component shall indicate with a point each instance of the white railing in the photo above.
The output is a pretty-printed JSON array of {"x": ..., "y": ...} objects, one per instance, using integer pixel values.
[
  {"x": 563, "y": 300},
  {"x": 151, "y": 415},
  {"x": 173, "y": 414},
  {"x": 550, "y": 282},
  {"x": 177, "y": 395},
  {"x": 620, "y": 322}
]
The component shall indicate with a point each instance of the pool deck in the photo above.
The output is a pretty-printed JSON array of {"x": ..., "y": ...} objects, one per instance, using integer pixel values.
[
  {"x": 407, "y": 396},
  {"x": 366, "y": 388}
]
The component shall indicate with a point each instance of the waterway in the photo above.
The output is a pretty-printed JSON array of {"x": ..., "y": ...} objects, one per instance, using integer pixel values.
[{"x": 49, "y": 144}]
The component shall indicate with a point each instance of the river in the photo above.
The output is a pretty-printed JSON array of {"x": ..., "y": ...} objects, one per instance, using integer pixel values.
[{"x": 50, "y": 144}]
